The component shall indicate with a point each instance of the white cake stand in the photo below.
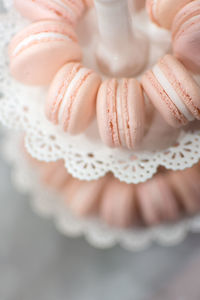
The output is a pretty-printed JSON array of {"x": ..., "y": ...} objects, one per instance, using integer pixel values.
[{"x": 48, "y": 204}]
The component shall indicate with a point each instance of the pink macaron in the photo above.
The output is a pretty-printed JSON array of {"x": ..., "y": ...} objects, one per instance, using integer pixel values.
[
  {"x": 64, "y": 10},
  {"x": 156, "y": 201},
  {"x": 71, "y": 100},
  {"x": 89, "y": 3},
  {"x": 186, "y": 187},
  {"x": 186, "y": 36},
  {"x": 162, "y": 12},
  {"x": 173, "y": 91},
  {"x": 68, "y": 191},
  {"x": 54, "y": 175},
  {"x": 118, "y": 204},
  {"x": 121, "y": 113},
  {"x": 40, "y": 50},
  {"x": 51, "y": 174},
  {"x": 85, "y": 199}
]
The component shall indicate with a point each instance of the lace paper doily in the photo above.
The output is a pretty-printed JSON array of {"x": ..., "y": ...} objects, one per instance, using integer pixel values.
[
  {"x": 48, "y": 204},
  {"x": 85, "y": 156}
]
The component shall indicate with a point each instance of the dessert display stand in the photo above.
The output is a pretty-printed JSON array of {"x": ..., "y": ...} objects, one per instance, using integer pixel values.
[
  {"x": 85, "y": 156},
  {"x": 48, "y": 204}
]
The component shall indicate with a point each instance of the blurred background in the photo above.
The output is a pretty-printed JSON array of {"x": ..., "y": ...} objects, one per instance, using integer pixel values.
[{"x": 37, "y": 262}]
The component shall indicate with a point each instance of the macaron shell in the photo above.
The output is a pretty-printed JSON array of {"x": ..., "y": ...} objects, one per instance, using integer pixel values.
[
  {"x": 136, "y": 112},
  {"x": 89, "y": 3},
  {"x": 107, "y": 124},
  {"x": 145, "y": 206},
  {"x": 185, "y": 14},
  {"x": 186, "y": 196},
  {"x": 85, "y": 200},
  {"x": 33, "y": 67},
  {"x": 41, "y": 10},
  {"x": 149, "y": 8},
  {"x": 165, "y": 11},
  {"x": 60, "y": 178},
  {"x": 81, "y": 108},
  {"x": 118, "y": 204},
  {"x": 186, "y": 47},
  {"x": 184, "y": 84},
  {"x": 84, "y": 106},
  {"x": 69, "y": 190},
  {"x": 161, "y": 101},
  {"x": 54, "y": 175},
  {"x": 192, "y": 178},
  {"x": 185, "y": 34},
  {"x": 34, "y": 11},
  {"x": 38, "y": 62},
  {"x": 56, "y": 88},
  {"x": 42, "y": 27},
  {"x": 170, "y": 207},
  {"x": 121, "y": 113},
  {"x": 157, "y": 202}
]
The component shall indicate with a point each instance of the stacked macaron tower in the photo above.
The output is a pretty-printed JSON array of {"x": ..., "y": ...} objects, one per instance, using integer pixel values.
[{"x": 47, "y": 52}]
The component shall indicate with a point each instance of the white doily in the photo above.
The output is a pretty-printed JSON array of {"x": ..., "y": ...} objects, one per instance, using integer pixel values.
[
  {"x": 85, "y": 156},
  {"x": 48, "y": 204}
]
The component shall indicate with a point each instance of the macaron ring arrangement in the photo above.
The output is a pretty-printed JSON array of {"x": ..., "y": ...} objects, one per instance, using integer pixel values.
[
  {"x": 166, "y": 198},
  {"x": 47, "y": 52}
]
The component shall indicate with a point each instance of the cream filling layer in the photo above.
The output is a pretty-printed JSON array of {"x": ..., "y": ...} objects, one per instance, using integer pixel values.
[
  {"x": 38, "y": 37},
  {"x": 170, "y": 91},
  {"x": 69, "y": 92}
]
